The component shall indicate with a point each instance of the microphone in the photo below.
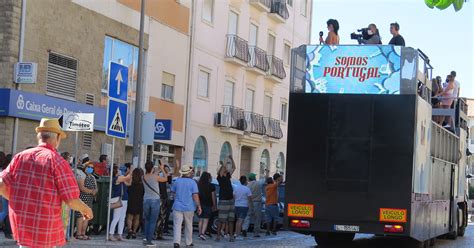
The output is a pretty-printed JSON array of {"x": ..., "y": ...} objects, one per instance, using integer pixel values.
[{"x": 321, "y": 33}]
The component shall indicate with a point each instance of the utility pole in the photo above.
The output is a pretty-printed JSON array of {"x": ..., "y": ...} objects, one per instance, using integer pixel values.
[{"x": 137, "y": 132}]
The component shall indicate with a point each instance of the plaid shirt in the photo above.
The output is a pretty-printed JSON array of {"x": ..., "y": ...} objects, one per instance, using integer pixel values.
[{"x": 38, "y": 179}]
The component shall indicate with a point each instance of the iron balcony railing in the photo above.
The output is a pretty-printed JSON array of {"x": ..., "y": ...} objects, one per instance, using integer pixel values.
[
  {"x": 237, "y": 48},
  {"x": 276, "y": 67},
  {"x": 254, "y": 123},
  {"x": 258, "y": 58},
  {"x": 231, "y": 117},
  {"x": 279, "y": 7},
  {"x": 272, "y": 128},
  {"x": 266, "y": 3}
]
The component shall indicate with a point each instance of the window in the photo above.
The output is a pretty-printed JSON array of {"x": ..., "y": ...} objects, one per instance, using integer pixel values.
[
  {"x": 226, "y": 151},
  {"x": 284, "y": 107},
  {"x": 200, "y": 155},
  {"x": 249, "y": 100},
  {"x": 62, "y": 76},
  {"x": 271, "y": 45},
  {"x": 229, "y": 93},
  {"x": 208, "y": 10},
  {"x": 290, "y": 2},
  {"x": 264, "y": 164},
  {"x": 267, "y": 106},
  {"x": 253, "y": 37},
  {"x": 203, "y": 84},
  {"x": 280, "y": 164},
  {"x": 123, "y": 53},
  {"x": 167, "y": 86},
  {"x": 233, "y": 23},
  {"x": 287, "y": 54},
  {"x": 304, "y": 7}
]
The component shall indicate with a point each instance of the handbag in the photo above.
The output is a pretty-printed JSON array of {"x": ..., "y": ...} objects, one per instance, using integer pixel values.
[{"x": 118, "y": 203}]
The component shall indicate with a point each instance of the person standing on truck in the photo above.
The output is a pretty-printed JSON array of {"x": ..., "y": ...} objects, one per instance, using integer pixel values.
[
  {"x": 333, "y": 37},
  {"x": 397, "y": 39},
  {"x": 374, "y": 36},
  {"x": 271, "y": 203},
  {"x": 226, "y": 205}
]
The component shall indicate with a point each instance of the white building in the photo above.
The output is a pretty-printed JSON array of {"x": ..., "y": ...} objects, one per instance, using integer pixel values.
[{"x": 239, "y": 81}]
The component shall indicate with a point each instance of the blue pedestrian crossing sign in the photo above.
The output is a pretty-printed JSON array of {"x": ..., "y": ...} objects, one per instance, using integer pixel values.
[
  {"x": 118, "y": 81},
  {"x": 117, "y": 112}
]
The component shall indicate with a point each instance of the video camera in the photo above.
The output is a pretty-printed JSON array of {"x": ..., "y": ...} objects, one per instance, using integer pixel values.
[{"x": 364, "y": 34}]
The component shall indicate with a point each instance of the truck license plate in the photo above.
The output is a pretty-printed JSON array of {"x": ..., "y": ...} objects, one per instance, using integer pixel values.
[{"x": 345, "y": 228}]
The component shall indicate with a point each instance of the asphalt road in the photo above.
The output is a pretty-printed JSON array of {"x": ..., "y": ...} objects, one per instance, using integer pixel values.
[{"x": 283, "y": 239}]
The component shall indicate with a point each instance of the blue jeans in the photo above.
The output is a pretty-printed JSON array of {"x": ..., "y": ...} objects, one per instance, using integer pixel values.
[{"x": 151, "y": 211}]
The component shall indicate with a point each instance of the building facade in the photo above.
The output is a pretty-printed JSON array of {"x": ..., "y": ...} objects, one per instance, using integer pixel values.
[
  {"x": 239, "y": 82},
  {"x": 72, "y": 42}
]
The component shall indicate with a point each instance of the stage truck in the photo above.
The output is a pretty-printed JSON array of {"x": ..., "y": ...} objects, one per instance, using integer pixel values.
[{"x": 364, "y": 155}]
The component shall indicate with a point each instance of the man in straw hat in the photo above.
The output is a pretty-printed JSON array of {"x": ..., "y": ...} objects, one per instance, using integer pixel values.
[
  {"x": 36, "y": 182},
  {"x": 185, "y": 203}
]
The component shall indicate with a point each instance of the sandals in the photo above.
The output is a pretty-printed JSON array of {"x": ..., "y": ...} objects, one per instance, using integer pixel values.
[{"x": 83, "y": 237}]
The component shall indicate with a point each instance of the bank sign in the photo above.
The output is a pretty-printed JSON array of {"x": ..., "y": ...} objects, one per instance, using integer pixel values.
[
  {"x": 33, "y": 106},
  {"x": 353, "y": 69}
]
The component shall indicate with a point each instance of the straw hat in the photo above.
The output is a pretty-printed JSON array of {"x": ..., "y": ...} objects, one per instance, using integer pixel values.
[
  {"x": 185, "y": 169},
  {"x": 51, "y": 125}
]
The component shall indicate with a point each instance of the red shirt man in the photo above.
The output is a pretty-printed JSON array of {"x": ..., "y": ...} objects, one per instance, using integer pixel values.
[{"x": 36, "y": 182}]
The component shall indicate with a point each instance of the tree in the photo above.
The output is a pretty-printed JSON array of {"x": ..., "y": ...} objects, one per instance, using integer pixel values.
[{"x": 444, "y": 4}]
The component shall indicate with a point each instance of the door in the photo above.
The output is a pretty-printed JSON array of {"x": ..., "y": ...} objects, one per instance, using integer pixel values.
[
  {"x": 271, "y": 45},
  {"x": 253, "y": 35},
  {"x": 233, "y": 23},
  {"x": 245, "y": 160}
]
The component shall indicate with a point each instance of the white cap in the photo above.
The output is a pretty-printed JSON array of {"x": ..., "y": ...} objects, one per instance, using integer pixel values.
[{"x": 83, "y": 156}]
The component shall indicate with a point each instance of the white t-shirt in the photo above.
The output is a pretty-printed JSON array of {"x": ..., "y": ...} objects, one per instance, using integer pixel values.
[
  {"x": 457, "y": 85},
  {"x": 242, "y": 194}
]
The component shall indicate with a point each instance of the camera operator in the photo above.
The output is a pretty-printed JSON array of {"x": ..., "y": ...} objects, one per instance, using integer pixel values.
[
  {"x": 373, "y": 36},
  {"x": 397, "y": 39},
  {"x": 333, "y": 37}
]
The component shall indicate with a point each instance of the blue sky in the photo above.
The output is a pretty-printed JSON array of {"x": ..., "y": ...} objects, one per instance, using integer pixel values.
[{"x": 445, "y": 36}]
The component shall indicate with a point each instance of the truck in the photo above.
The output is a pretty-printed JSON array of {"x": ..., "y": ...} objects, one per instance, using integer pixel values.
[{"x": 364, "y": 154}]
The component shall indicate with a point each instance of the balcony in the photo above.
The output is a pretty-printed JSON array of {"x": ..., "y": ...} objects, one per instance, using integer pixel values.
[
  {"x": 272, "y": 129},
  {"x": 231, "y": 120},
  {"x": 278, "y": 11},
  {"x": 276, "y": 72},
  {"x": 262, "y": 5},
  {"x": 237, "y": 50},
  {"x": 258, "y": 60},
  {"x": 254, "y": 131}
]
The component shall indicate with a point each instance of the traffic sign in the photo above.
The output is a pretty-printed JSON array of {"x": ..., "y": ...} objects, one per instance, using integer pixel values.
[
  {"x": 79, "y": 122},
  {"x": 25, "y": 73},
  {"x": 118, "y": 81},
  {"x": 163, "y": 129},
  {"x": 116, "y": 119}
]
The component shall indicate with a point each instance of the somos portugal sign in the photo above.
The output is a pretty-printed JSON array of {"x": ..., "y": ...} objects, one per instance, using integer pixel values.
[{"x": 353, "y": 69}]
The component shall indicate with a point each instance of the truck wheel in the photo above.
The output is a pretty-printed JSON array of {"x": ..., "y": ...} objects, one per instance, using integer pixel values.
[
  {"x": 462, "y": 228},
  {"x": 326, "y": 238}
]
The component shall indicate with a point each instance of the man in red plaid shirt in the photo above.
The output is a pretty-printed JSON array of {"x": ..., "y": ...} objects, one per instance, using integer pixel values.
[{"x": 36, "y": 182}]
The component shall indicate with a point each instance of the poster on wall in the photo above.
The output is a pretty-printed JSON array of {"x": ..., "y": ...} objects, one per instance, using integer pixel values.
[{"x": 373, "y": 69}]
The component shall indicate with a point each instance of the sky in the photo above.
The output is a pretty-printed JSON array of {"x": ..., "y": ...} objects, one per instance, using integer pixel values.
[{"x": 445, "y": 36}]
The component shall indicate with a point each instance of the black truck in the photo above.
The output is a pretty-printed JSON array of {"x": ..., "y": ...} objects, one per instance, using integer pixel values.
[{"x": 364, "y": 154}]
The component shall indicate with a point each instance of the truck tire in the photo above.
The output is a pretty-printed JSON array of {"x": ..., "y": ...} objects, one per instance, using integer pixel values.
[
  {"x": 462, "y": 227},
  {"x": 327, "y": 238}
]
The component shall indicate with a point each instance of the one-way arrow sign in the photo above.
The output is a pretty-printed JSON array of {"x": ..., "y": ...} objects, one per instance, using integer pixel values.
[{"x": 118, "y": 81}]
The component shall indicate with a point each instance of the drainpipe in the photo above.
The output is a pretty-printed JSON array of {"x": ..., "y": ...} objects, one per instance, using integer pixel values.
[
  {"x": 190, "y": 70},
  {"x": 20, "y": 59}
]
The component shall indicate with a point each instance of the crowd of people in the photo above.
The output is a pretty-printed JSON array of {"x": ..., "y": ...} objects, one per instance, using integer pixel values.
[
  {"x": 444, "y": 95},
  {"x": 141, "y": 200}
]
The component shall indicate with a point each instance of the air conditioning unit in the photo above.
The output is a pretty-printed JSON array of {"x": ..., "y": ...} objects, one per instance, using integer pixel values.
[{"x": 218, "y": 119}]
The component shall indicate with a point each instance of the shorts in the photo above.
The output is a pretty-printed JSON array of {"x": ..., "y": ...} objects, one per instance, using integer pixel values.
[
  {"x": 206, "y": 212},
  {"x": 226, "y": 210},
  {"x": 241, "y": 212},
  {"x": 271, "y": 213}
]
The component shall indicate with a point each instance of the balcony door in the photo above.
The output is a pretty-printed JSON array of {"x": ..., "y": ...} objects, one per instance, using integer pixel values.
[
  {"x": 233, "y": 23},
  {"x": 229, "y": 93},
  {"x": 253, "y": 35},
  {"x": 271, "y": 45}
]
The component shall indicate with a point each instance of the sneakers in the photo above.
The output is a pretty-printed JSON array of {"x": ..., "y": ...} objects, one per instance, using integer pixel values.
[
  {"x": 148, "y": 243},
  {"x": 202, "y": 237},
  {"x": 239, "y": 238}
]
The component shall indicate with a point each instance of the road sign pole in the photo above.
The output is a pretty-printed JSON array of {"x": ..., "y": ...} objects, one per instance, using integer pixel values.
[
  {"x": 110, "y": 189},
  {"x": 139, "y": 103},
  {"x": 76, "y": 151}
]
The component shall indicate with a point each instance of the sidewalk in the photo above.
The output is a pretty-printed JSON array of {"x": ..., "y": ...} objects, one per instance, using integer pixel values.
[{"x": 99, "y": 241}]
